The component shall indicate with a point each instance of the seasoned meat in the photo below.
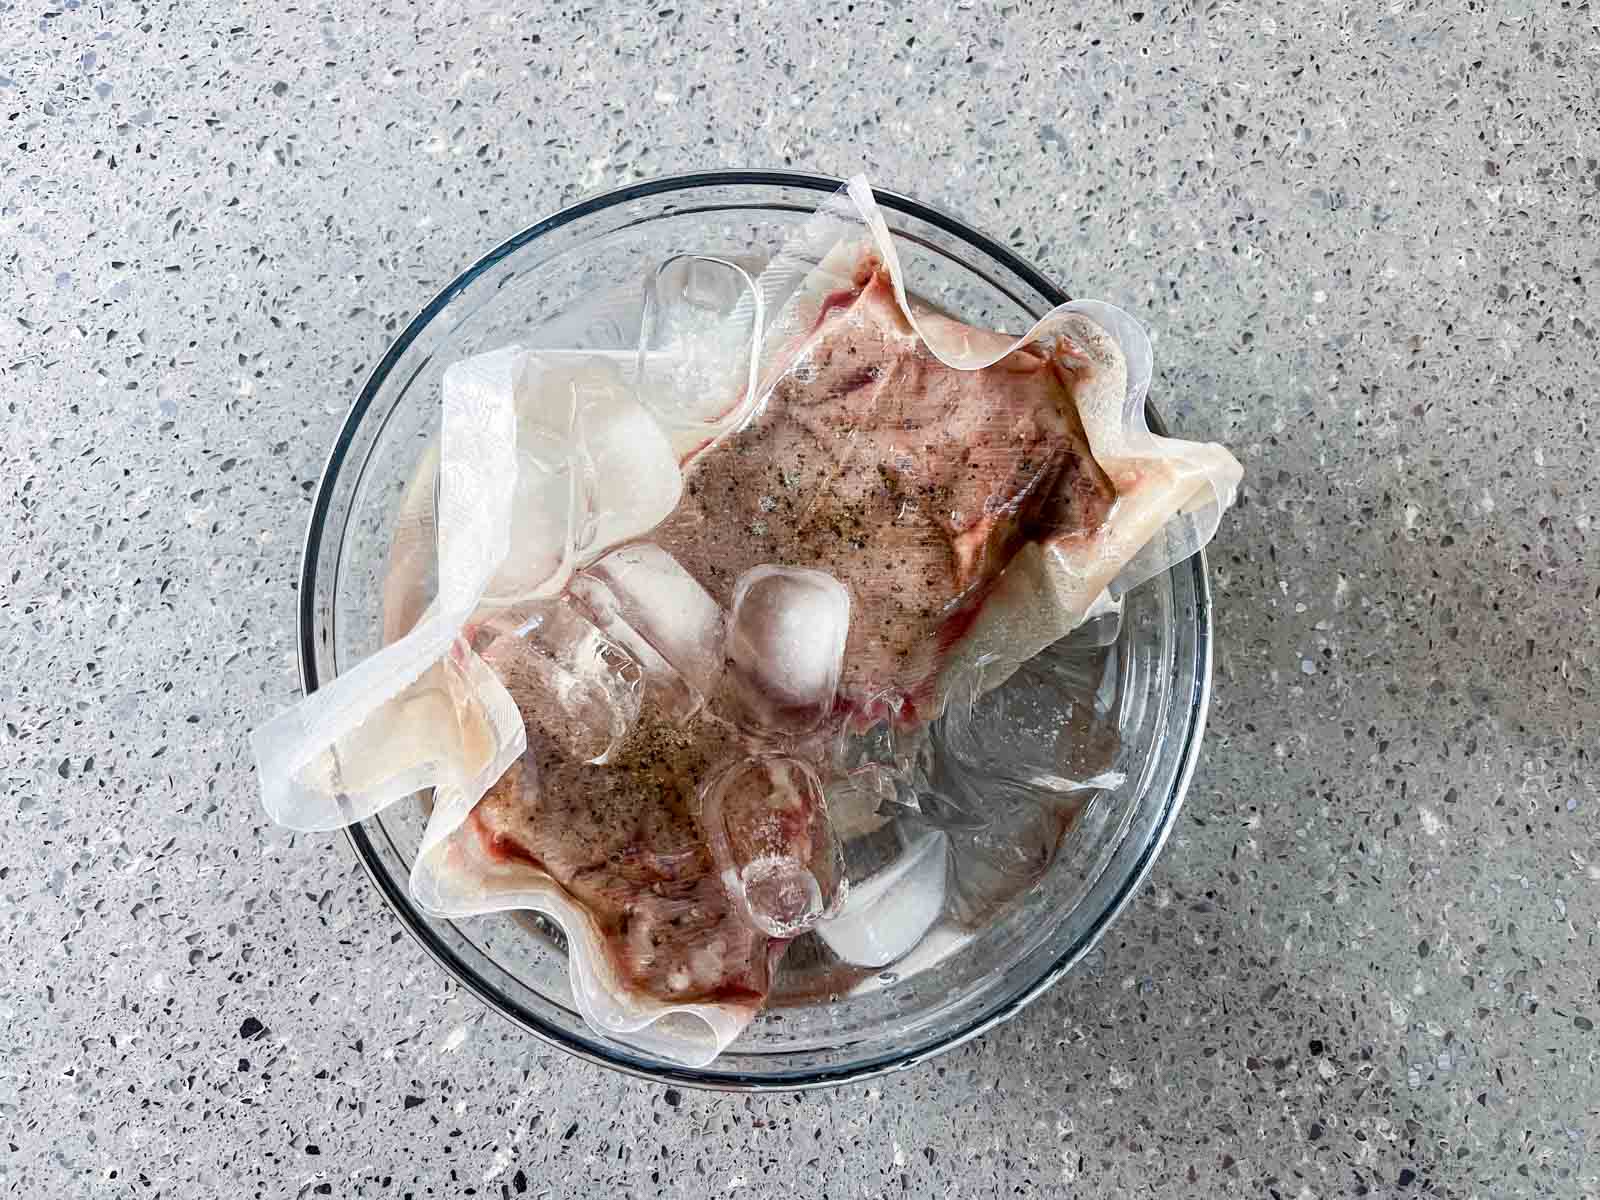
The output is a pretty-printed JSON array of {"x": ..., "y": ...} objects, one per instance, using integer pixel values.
[
  {"x": 623, "y": 842},
  {"x": 910, "y": 482}
]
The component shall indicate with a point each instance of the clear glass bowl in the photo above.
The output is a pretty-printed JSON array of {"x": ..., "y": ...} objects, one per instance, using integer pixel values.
[{"x": 538, "y": 288}]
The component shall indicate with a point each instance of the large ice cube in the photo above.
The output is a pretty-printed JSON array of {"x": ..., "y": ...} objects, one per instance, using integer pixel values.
[
  {"x": 646, "y": 602},
  {"x": 701, "y": 323},
  {"x": 785, "y": 648},
  {"x": 664, "y": 687},
  {"x": 563, "y": 673},
  {"x": 896, "y": 878},
  {"x": 766, "y": 822}
]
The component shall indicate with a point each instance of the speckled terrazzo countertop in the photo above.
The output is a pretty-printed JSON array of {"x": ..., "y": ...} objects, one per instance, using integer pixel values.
[{"x": 1365, "y": 238}]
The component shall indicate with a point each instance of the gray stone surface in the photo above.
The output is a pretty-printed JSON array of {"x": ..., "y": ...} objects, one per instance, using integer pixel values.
[{"x": 1365, "y": 237}]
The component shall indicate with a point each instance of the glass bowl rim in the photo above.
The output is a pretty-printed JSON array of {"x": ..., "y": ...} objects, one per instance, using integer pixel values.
[{"x": 393, "y": 893}]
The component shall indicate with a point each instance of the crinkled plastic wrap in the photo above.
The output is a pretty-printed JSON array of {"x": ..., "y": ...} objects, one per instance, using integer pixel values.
[{"x": 594, "y": 619}]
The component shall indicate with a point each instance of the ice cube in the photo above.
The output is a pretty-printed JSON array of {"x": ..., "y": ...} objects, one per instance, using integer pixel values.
[
  {"x": 664, "y": 687},
  {"x": 896, "y": 880},
  {"x": 939, "y": 943},
  {"x": 701, "y": 323},
  {"x": 785, "y": 648},
  {"x": 766, "y": 823},
  {"x": 648, "y": 603},
  {"x": 564, "y": 674}
]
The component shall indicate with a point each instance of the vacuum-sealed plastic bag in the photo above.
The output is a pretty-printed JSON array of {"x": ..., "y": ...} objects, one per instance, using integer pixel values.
[{"x": 698, "y": 623}]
